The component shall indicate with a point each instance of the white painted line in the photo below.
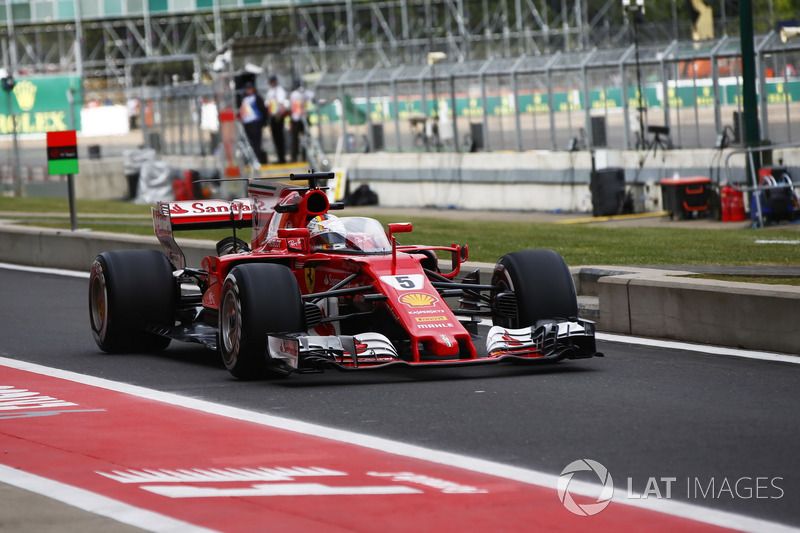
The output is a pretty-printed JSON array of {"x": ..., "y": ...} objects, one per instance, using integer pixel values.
[
  {"x": 42, "y": 270},
  {"x": 96, "y": 503},
  {"x": 639, "y": 341},
  {"x": 767, "y": 241},
  {"x": 700, "y": 348},
  {"x": 532, "y": 477}
]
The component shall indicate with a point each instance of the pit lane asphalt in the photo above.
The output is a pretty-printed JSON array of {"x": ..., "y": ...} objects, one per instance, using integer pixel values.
[{"x": 642, "y": 412}]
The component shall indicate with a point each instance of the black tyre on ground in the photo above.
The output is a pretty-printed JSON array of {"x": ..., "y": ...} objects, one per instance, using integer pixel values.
[
  {"x": 541, "y": 285},
  {"x": 130, "y": 290},
  {"x": 257, "y": 299}
]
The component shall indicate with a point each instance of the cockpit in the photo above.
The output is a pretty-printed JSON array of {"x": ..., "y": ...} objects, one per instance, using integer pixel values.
[{"x": 361, "y": 235}]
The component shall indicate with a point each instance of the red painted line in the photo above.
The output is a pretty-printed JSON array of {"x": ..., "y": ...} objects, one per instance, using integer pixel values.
[{"x": 230, "y": 474}]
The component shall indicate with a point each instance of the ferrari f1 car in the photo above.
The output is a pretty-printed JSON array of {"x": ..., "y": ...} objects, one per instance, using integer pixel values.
[{"x": 313, "y": 291}]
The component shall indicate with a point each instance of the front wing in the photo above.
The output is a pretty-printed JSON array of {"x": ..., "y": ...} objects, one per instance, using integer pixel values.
[{"x": 548, "y": 341}]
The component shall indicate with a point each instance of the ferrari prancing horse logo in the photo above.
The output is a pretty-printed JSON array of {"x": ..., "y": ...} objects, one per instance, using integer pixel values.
[{"x": 310, "y": 275}]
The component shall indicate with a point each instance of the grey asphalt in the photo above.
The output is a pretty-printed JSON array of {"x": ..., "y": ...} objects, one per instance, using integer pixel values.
[
  {"x": 23, "y": 511},
  {"x": 642, "y": 412}
]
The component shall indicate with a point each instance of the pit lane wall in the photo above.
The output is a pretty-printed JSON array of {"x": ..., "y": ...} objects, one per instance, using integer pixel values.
[
  {"x": 640, "y": 302},
  {"x": 535, "y": 180},
  {"x": 666, "y": 304}
]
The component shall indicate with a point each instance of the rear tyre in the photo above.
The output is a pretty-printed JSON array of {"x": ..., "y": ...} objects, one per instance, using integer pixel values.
[
  {"x": 257, "y": 299},
  {"x": 230, "y": 245},
  {"x": 532, "y": 285},
  {"x": 130, "y": 290}
]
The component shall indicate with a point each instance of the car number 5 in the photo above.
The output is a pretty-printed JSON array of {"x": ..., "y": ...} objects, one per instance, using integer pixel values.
[{"x": 404, "y": 283}]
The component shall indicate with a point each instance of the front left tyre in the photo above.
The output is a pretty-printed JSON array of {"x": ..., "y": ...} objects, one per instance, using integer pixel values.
[
  {"x": 131, "y": 292},
  {"x": 257, "y": 299}
]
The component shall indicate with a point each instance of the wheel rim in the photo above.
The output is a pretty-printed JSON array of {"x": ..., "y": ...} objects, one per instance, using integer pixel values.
[
  {"x": 99, "y": 302},
  {"x": 230, "y": 327},
  {"x": 503, "y": 283}
]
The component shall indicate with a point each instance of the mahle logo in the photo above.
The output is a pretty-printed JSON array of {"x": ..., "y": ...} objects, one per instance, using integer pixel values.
[
  {"x": 586, "y": 509},
  {"x": 25, "y": 92}
]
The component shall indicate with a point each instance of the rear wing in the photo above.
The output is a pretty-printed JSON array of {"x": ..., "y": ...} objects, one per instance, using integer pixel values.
[
  {"x": 206, "y": 214},
  {"x": 256, "y": 211},
  {"x": 191, "y": 215}
]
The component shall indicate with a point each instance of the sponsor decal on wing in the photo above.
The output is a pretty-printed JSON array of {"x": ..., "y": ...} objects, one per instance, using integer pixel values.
[
  {"x": 209, "y": 210},
  {"x": 440, "y": 318}
]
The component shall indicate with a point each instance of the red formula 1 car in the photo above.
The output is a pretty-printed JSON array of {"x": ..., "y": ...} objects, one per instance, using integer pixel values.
[{"x": 314, "y": 291}]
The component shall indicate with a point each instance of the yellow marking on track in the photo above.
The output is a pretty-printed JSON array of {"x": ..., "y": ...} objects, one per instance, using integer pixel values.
[{"x": 634, "y": 216}]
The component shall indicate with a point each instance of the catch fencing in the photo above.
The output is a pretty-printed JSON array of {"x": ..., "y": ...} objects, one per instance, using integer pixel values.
[{"x": 690, "y": 96}]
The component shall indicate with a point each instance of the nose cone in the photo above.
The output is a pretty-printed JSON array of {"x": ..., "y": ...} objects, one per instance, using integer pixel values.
[{"x": 441, "y": 345}]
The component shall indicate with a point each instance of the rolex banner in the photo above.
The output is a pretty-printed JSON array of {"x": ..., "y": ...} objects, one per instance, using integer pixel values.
[{"x": 41, "y": 104}]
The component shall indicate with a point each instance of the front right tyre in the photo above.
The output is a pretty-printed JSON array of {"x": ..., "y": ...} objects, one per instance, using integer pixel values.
[{"x": 532, "y": 285}]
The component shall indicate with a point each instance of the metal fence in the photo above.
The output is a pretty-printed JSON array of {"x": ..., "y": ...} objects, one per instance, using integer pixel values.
[{"x": 690, "y": 96}]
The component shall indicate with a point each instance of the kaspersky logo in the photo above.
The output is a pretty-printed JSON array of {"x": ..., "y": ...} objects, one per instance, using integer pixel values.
[{"x": 25, "y": 93}]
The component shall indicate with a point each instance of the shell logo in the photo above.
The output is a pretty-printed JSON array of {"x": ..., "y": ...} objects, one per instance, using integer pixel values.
[{"x": 418, "y": 299}]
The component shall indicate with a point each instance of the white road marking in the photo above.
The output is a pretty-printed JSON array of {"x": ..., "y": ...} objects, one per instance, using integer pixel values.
[
  {"x": 42, "y": 270},
  {"x": 202, "y": 475},
  {"x": 283, "y": 489},
  {"x": 640, "y": 341},
  {"x": 97, "y": 503},
  {"x": 491, "y": 468},
  {"x": 700, "y": 348}
]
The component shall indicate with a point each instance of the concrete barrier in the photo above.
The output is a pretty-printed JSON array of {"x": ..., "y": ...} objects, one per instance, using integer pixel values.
[
  {"x": 668, "y": 306},
  {"x": 75, "y": 250},
  {"x": 632, "y": 301}
]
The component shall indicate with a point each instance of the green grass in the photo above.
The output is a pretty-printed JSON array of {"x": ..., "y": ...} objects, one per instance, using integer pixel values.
[
  {"x": 61, "y": 206},
  {"x": 579, "y": 244},
  {"x": 603, "y": 245},
  {"x": 767, "y": 280}
]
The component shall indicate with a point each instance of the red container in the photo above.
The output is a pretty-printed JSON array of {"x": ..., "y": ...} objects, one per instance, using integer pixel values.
[
  {"x": 182, "y": 187},
  {"x": 732, "y": 204}
]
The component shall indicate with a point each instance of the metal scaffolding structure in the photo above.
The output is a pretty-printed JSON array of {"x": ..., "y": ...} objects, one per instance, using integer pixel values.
[{"x": 115, "y": 44}]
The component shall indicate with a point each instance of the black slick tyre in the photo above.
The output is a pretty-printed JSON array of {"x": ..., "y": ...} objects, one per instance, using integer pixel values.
[
  {"x": 129, "y": 292},
  {"x": 257, "y": 299},
  {"x": 532, "y": 285}
]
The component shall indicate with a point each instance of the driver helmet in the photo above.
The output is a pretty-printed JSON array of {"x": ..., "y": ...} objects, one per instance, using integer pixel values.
[{"x": 326, "y": 232}]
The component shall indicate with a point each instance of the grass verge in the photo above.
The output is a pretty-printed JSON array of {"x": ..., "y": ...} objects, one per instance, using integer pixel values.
[{"x": 487, "y": 240}]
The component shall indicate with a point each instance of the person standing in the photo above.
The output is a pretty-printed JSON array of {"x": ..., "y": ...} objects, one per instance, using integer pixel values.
[
  {"x": 253, "y": 114},
  {"x": 277, "y": 102},
  {"x": 133, "y": 112},
  {"x": 298, "y": 103}
]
